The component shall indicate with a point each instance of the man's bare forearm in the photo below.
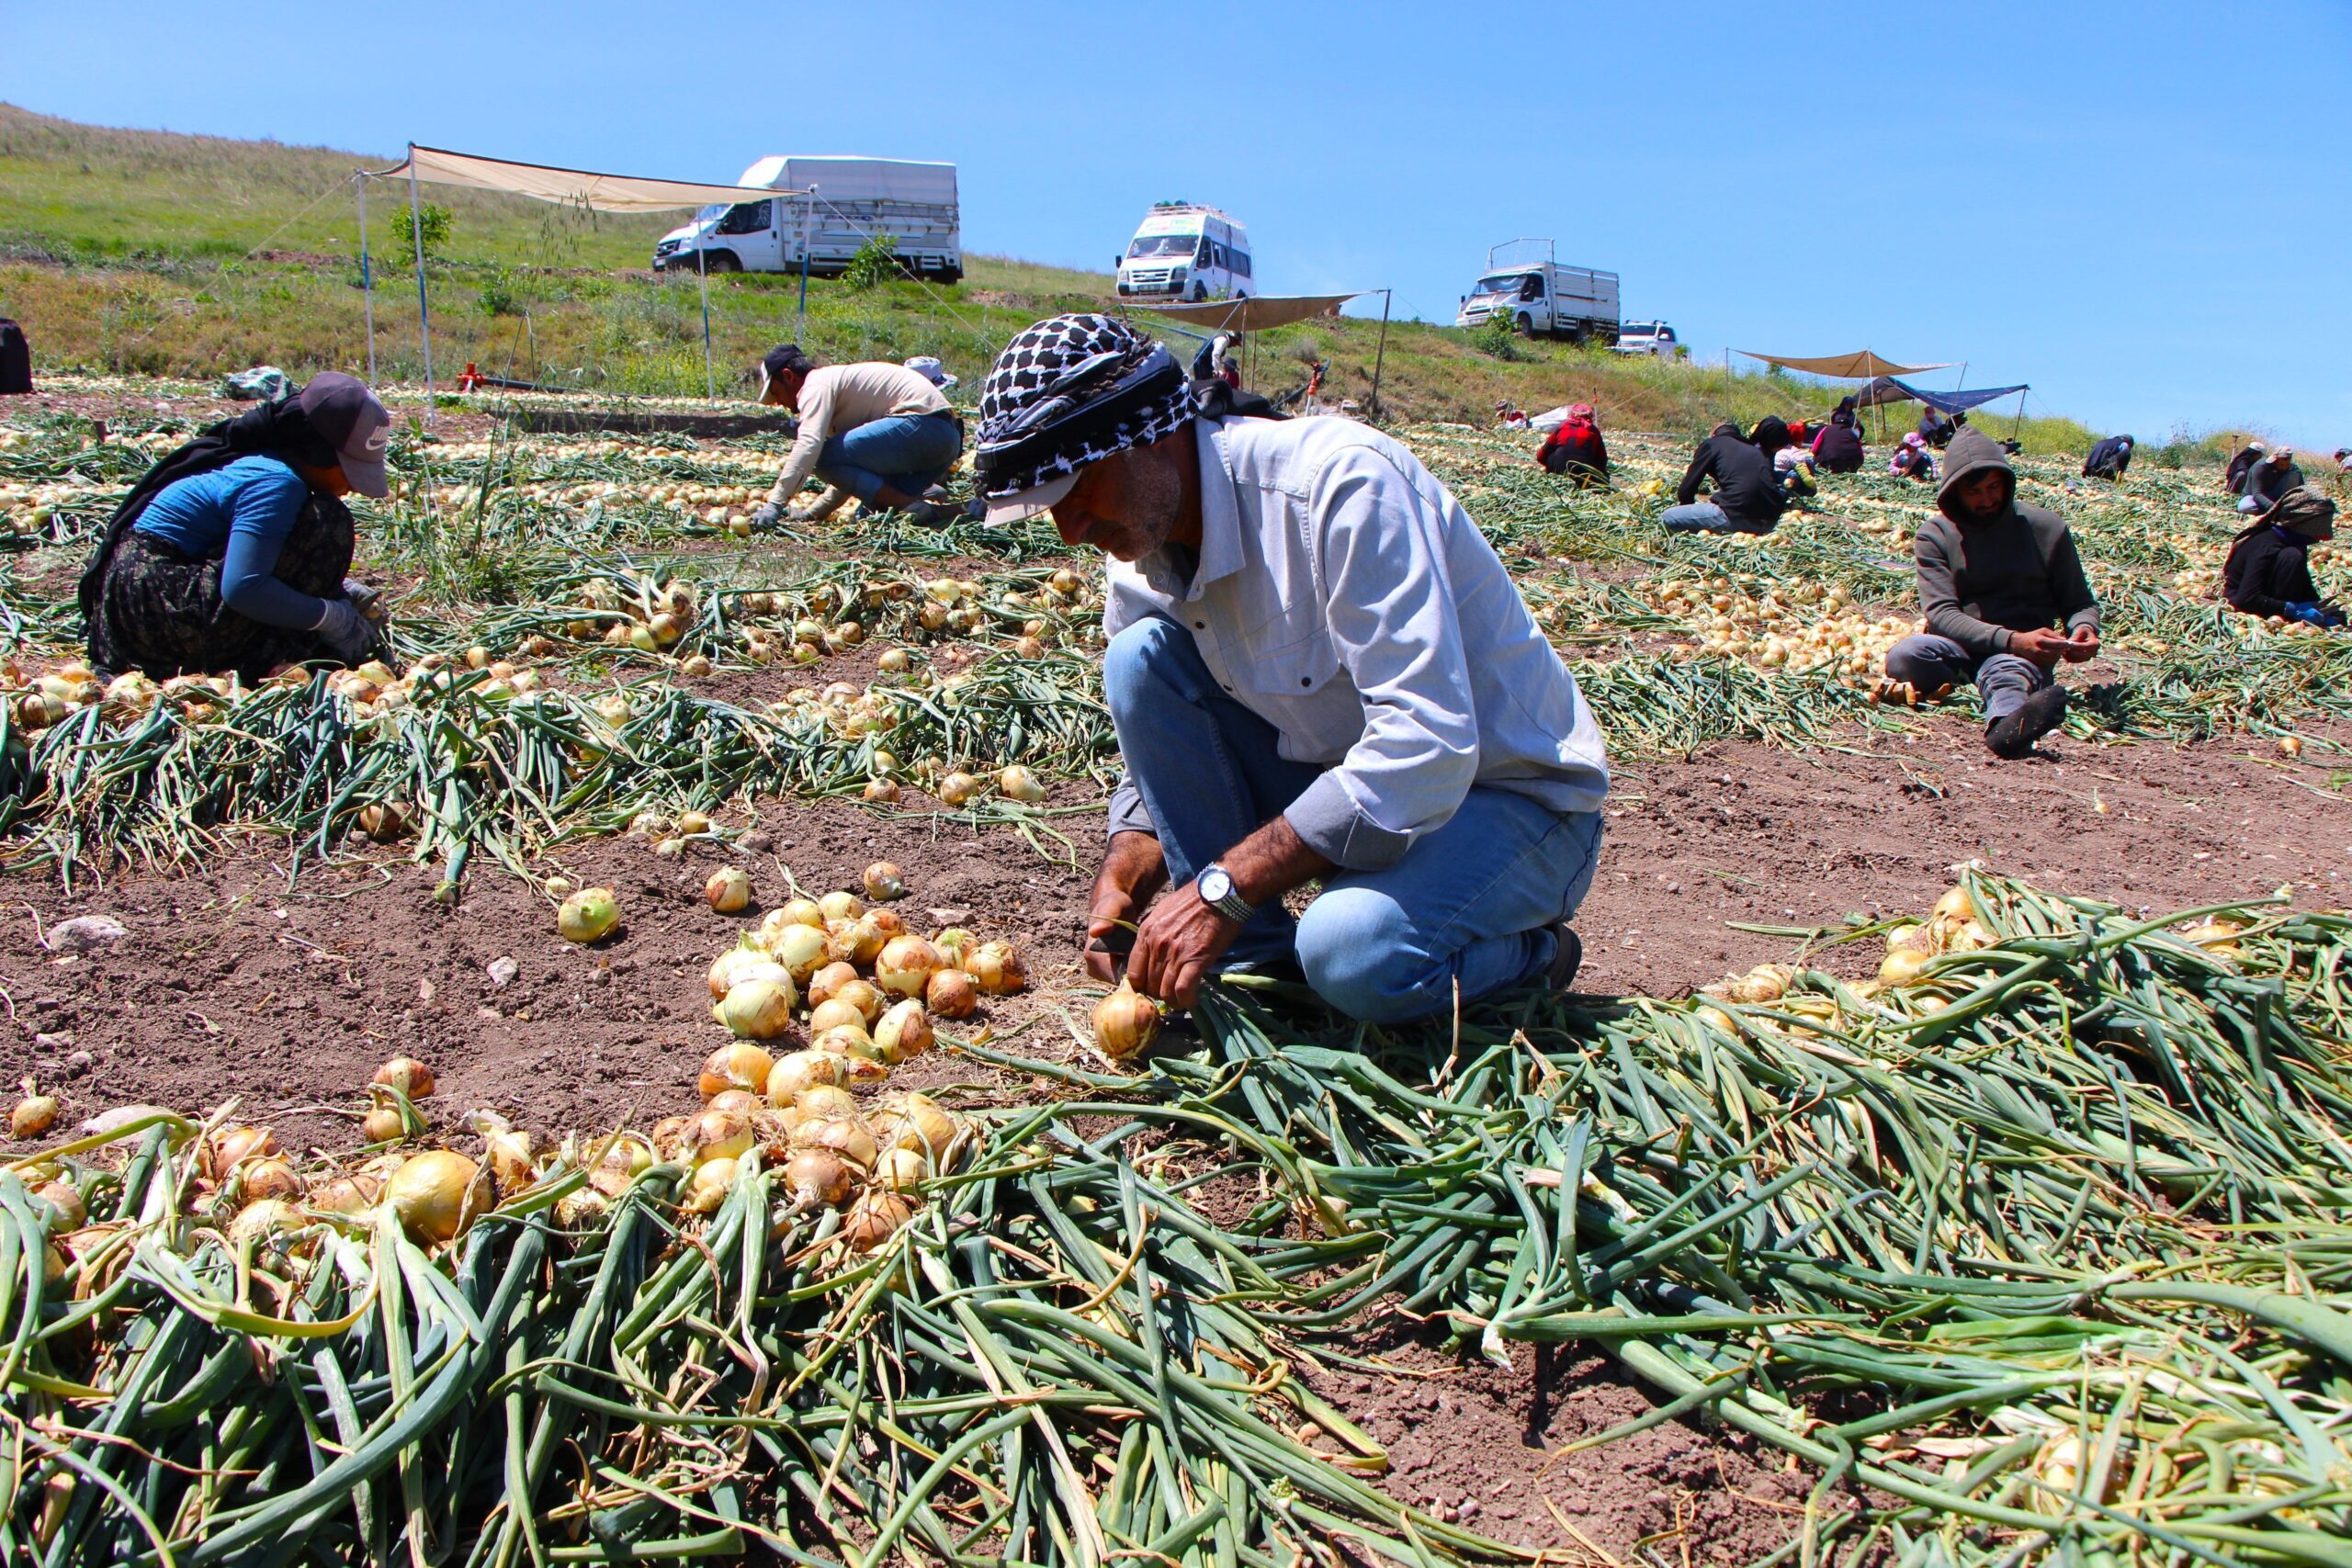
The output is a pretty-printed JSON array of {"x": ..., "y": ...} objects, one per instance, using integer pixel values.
[{"x": 1270, "y": 862}]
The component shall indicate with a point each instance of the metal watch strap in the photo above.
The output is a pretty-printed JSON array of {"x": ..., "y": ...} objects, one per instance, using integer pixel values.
[{"x": 1232, "y": 907}]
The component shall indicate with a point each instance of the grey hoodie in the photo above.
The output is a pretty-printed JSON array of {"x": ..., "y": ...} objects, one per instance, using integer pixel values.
[{"x": 1981, "y": 579}]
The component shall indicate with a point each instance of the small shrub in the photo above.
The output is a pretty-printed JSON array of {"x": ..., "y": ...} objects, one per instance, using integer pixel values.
[
  {"x": 1498, "y": 336},
  {"x": 877, "y": 262},
  {"x": 500, "y": 294}
]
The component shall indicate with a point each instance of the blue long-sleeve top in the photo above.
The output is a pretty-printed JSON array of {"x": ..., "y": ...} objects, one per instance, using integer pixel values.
[{"x": 239, "y": 513}]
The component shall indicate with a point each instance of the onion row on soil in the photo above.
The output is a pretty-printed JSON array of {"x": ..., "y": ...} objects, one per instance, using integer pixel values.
[{"x": 2038, "y": 1258}]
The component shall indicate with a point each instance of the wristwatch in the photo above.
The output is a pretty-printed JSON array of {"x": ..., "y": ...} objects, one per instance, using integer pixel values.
[{"x": 1214, "y": 885}]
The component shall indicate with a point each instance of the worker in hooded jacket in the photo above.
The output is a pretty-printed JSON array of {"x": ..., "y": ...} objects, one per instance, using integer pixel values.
[{"x": 2006, "y": 600}]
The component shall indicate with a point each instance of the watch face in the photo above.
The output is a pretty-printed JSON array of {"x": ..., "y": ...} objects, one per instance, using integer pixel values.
[{"x": 1214, "y": 885}]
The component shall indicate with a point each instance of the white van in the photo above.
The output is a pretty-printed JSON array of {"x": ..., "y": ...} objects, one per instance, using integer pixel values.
[
  {"x": 855, "y": 199},
  {"x": 1654, "y": 338},
  {"x": 1183, "y": 251}
]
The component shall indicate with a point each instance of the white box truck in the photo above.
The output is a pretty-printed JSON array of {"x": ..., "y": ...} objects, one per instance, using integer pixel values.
[
  {"x": 853, "y": 199},
  {"x": 1540, "y": 297},
  {"x": 1183, "y": 251}
]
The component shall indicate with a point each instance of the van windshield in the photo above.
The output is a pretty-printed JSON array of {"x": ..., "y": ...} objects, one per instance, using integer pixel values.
[
  {"x": 1501, "y": 285},
  {"x": 1164, "y": 245}
]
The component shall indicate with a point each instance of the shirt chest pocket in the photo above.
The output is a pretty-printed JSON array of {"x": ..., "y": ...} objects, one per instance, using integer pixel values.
[{"x": 1297, "y": 668}]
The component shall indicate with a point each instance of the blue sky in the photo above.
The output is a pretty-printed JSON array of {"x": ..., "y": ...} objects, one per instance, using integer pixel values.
[{"x": 2140, "y": 210}]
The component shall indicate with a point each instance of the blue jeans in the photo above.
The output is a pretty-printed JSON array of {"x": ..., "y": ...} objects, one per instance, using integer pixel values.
[
  {"x": 2005, "y": 680},
  {"x": 1469, "y": 908},
  {"x": 1706, "y": 516},
  {"x": 910, "y": 453}
]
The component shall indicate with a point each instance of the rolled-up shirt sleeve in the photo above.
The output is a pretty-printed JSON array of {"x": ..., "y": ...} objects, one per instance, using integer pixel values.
[
  {"x": 815, "y": 415},
  {"x": 1380, "y": 556}
]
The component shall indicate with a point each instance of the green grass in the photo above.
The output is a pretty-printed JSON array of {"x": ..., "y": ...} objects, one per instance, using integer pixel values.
[{"x": 158, "y": 253}]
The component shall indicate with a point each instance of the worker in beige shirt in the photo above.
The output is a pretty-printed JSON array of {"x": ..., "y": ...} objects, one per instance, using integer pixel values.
[{"x": 879, "y": 432}]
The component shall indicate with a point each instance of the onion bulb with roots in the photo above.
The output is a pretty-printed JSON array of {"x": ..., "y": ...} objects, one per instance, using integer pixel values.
[
  {"x": 827, "y": 982},
  {"x": 231, "y": 1146},
  {"x": 1953, "y": 908},
  {"x": 706, "y": 1188},
  {"x": 1970, "y": 935},
  {"x": 269, "y": 1176},
  {"x": 386, "y": 822},
  {"x": 903, "y": 1032},
  {"x": 589, "y": 915},
  {"x": 33, "y": 1115},
  {"x": 876, "y": 1216},
  {"x": 692, "y": 824},
  {"x": 1765, "y": 983},
  {"x": 717, "y": 1134},
  {"x": 883, "y": 882},
  {"x": 1901, "y": 965},
  {"x": 740, "y": 1102},
  {"x": 1017, "y": 782},
  {"x": 261, "y": 1223},
  {"x": 757, "y": 1010},
  {"x": 954, "y": 943},
  {"x": 824, "y": 1103},
  {"x": 840, "y": 906},
  {"x": 906, "y": 965},
  {"x": 799, "y": 952},
  {"x": 957, "y": 789},
  {"x": 818, "y": 1175},
  {"x": 580, "y": 1208},
  {"x": 922, "y": 1122},
  {"x": 949, "y": 993},
  {"x": 844, "y": 1135},
  {"x": 882, "y": 792},
  {"x": 793, "y": 912},
  {"x": 834, "y": 1012},
  {"x": 1126, "y": 1022},
  {"x": 350, "y": 1196},
  {"x": 858, "y": 941},
  {"x": 729, "y": 890},
  {"x": 408, "y": 1075},
  {"x": 996, "y": 968},
  {"x": 627, "y": 1157},
  {"x": 862, "y": 995},
  {"x": 901, "y": 1170},
  {"x": 508, "y": 1153},
  {"x": 65, "y": 1199},
  {"x": 802, "y": 1070},
  {"x": 886, "y": 922},
  {"x": 740, "y": 963},
  {"x": 740, "y": 1066},
  {"x": 436, "y": 1194}
]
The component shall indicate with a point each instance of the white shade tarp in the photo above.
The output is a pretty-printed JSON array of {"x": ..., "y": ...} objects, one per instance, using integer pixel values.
[
  {"x": 570, "y": 188},
  {"x": 1860, "y": 366}
]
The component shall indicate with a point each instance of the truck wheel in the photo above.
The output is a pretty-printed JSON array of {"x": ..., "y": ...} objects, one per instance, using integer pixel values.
[
  {"x": 1526, "y": 324},
  {"x": 1200, "y": 294},
  {"x": 718, "y": 262}
]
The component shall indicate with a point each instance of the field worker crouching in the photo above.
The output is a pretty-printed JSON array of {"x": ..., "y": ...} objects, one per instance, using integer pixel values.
[
  {"x": 230, "y": 555},
  {"x": 1317, "y": 669},
  {"x": 1995, "y": 576},
  {"x": 2267, "y": 481},
  {"x": 2269, "y": 568},
  {"x": 1748, "y": 499},
  {"x": 882, "y": 433}
]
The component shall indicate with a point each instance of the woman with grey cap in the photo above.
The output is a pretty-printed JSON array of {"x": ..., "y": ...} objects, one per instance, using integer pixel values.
[
  {"x": 1319, "y": 668},
  {"x": 230, "y": 553}
]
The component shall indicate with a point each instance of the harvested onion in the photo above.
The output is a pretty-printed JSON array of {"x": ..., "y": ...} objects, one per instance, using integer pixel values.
[
  {"x": 802, "y": 1070},
  {"x": 900, "y": 1171},
  {"x": 757, "y": 1010},
  {"x": 231, "y": 1146},
  {"x": 740, "y": 1066},
  {"x": 860, "y": 994},
  {"x": 844, "y": 1135},
  {"x": 957, "y": 789},
  {"x": 33, "y": 1115},
  {"x": 903, "y": 1032},
  {"x": 826, "y": 982},
  {"x": 742, "y": 962},
  {"x": 794, "y": 912},
  {"x": 729, "y": 889},
  {"x": 996, "y": 968},
  {"x": 408, "y": 1075},
  {"x": 1017, "y": 782},
  {"x": 832, "y": 1013},
  {"x": 824, "y": 1103},
  {"x": 906, "y": 965},
  {"x": 814, "y": 1175},
  {"x": 876, "y": 1216},
  {"x": 588, "y": 915},
  {"x": 840, "y": 906},
  {"x": 1125, "y": 1023},
  {"x": 436, "y": 1194},
  {"x": 951, "y": 994},
  {"x": 1901, "y": 965},
  {"x": 799, "y": 950},
  {"x": 706, "y": 1189},
  {"x": 269, "y": 1176},
  {"x": 717, "y": 1134},
  {"x": 883, "y": 882}
]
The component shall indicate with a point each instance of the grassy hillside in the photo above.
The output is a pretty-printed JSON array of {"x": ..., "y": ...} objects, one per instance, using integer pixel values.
[{"x": 152, "y": 252}]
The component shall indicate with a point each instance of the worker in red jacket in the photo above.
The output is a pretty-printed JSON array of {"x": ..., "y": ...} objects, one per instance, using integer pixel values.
[{"x": 1575, "y": 451}]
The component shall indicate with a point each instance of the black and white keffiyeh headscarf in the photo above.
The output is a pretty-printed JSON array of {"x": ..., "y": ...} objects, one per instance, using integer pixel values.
[{"x": 1069, "y": 391}]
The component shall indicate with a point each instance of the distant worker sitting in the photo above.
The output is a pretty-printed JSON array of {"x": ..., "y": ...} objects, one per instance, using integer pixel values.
[
  {"x": 879, "y": 432},
  {"x": 1747, "y": 499},
  {"x": 2108, "y": 458},
  {"x": 1995, "y": 576},
  {"x": 1838, "y": 447},
  {"x": 2268, "y": 481},
  {"x": 1576, "y": 452},
  {"x": 1770, "y": 435},
  {"x": 1935, "y": 429},
  {"x": 1912, "y": 460},
  {"x": 2269, "y": 568},
  {"x": 1794, "y": 468},
  {"x": 2247, "y": 457},
  {"x": 230, "y": 555}
]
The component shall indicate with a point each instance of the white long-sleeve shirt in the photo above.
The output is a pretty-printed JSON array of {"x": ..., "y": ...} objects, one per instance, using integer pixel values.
[
  {"x": 1344, "y": 596},
  {"x": 838, "y": 398}
]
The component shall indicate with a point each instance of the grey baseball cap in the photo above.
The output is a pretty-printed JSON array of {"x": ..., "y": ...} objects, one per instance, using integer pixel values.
[{"x": 348, "y": 417}]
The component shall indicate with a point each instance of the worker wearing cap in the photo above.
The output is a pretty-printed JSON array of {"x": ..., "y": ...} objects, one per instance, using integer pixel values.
[
  {"x": 882, "y": 433},
  {"x": 1319, "y": 668},
  {"x": 231, "y": 554}
]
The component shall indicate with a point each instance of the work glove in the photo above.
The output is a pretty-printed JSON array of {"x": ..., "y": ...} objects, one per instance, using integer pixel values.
[
  {"x": 2309, "y": 613},
  {"x": 347, "y": 631},
  {"x": 368, "y": 601},
  {"x": 767, "y": 515},
  {"x": 927, "y": 515}
]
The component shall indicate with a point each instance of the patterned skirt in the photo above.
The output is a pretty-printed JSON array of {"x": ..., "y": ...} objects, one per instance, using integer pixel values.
[{"x": 160, "y": 609}]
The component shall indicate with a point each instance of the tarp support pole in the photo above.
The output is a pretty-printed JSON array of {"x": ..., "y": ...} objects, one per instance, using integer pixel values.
[
  {"x": 367, "y": 274},
  {"x": 702, "y": 269},
  {"x": 1380, "y": 351},
  {"x": 808, "y": 207},
  {"x": 423, "y": 312}
]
